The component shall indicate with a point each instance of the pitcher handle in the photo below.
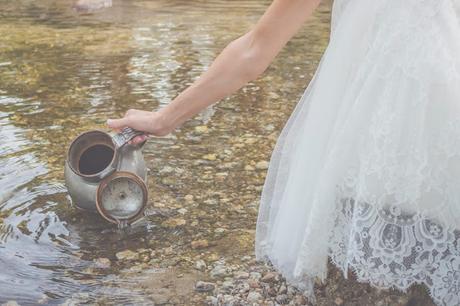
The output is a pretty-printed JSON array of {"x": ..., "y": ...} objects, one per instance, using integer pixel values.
[{"x": 122, "y": 138}]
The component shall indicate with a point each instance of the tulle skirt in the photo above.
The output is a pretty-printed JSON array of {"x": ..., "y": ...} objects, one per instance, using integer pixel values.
[{"x": 366, "y": 171}]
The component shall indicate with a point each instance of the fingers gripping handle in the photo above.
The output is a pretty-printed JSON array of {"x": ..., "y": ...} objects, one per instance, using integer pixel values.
[{"x": 124, "y": 136}]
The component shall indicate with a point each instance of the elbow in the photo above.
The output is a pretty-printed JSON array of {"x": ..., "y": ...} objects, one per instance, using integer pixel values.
[
  {"x": 252, "y": 61},
  {"x": 254, "y": 65},
  {"x": 254, "y": 69}
]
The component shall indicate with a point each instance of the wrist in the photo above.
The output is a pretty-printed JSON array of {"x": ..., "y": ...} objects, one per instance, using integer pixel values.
[{"x": 164, "y": 121}]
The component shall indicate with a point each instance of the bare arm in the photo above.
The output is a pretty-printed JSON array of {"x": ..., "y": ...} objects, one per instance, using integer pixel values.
[{"x": 243, "y": 60}]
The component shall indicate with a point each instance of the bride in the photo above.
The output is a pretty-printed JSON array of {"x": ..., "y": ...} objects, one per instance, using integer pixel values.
[{"x": 366, "y": 171}]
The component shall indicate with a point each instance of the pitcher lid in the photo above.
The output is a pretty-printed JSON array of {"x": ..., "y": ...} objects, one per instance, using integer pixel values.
[{"x": 121, "y": 197}]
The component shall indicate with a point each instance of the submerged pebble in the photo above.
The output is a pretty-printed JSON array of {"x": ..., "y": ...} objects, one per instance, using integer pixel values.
[
  {"x": 102, "y": 263},
  {"x": 92, "y": 5},
  {"x": 200, "y": 265},
  {"x": 262, "y": 165},
  {"x": 127, "y": 255},
  {"x": 204, "y": 286},
  {"x": 254, "y": 296},
  {"x": 199, "y": 244}
]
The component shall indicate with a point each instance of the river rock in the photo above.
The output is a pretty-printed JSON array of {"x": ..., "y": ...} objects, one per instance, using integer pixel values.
[
  {"x": 269, "y": 277},
  {"x": 200, "y": 265},
  {"x": 282, "y": 299},
  {"x": 241, "y": 275},
  {"x": 201, "y": 129},
  {"x": 102, "y": 263},
  {"x": 174, "y": 222},
  {"x": 210, "y": 156},
  {"x": 166, "y": 170},
  {"x": 212, "y": 300},
  {"x": 211, "y": 202},
  {"x": 219, "y": 271},
  {"x": 262, "y": 165},
  {"x": 254, "y": 284},
  {"x": 91, "y": 5},
  {"x": 182, "y": 211},
  {"x": 255, "y": 275},
  {"x": 228, "y": 284},
  {"x": 200, "y": 244},
  {"x": 254, "y": 297},
  {"x": 201, "y": 286},
  {"x": 249, "y": 168},
  {"x": 127, "y": 255},
  {"x": 300, "y": 300},
  {"x": 282, "y": 289},
  {"x": 219, "y": 230},
  {"x": 229, "y": 300},
  {"x": 244, "y": 287}
]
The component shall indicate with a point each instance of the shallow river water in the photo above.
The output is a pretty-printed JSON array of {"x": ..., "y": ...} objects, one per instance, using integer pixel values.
[{"x": 63, "y": 72}]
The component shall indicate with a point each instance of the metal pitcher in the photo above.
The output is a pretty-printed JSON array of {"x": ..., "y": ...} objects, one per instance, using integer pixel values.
[{"x": 105, "y": 174}]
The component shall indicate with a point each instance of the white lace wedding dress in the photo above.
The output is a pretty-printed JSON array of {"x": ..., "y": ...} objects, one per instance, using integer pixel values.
[{"x": 366, "y": 171}]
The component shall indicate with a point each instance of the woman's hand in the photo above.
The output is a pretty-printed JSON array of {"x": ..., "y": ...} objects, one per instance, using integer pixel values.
[{"x": 152, "y": 123}]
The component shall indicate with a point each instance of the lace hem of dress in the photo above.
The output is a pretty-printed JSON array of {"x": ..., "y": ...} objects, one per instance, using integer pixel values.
[
  {"x": 392, "y": 249},
  {"x": 388, "y": 249}
]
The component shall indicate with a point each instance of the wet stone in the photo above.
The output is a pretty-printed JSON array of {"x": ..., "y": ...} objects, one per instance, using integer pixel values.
[
  {"x": 282, "y": 299},
  {"x": 249, "y": 168},
  {"x": 255, "y": 275},
  {"x": 262, "y": 165},
  {"x": 244, "y": 287},
  {"x": 254, "y": 297},
  {"x": 300, "y": 300},
  {"x": 188, "y": 197},
  {"x": 166, "y": 170},
  {"x": 182, "y": 211},
  {"x": 201, "y": 286},
  {"x": 200, "y": 265},
  {"x": 219, "y": 271},
  {"x": 201, "y": 129},
  {"x": 174, "y": 222},
  {"x": 160, "y": 299},
  {"x": 210, "y": 157},
  {"x": 199, "y": 244},
  {"x": 228, "y": 284},
  {"x": 241, "y": 275},
  {"x": 211, "y": 202},
  {"x": 102, "y": 263},
  {"x": 253, "y": 284},
  {"x": 219, "y": 230},
  {"x": 282, "y": 289},
  {"x": 127, "y": 255},
  {"x": 212, "y": 300},
  {"x": 92, "y": 5},
  {"x": 269, "y": 277}
]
